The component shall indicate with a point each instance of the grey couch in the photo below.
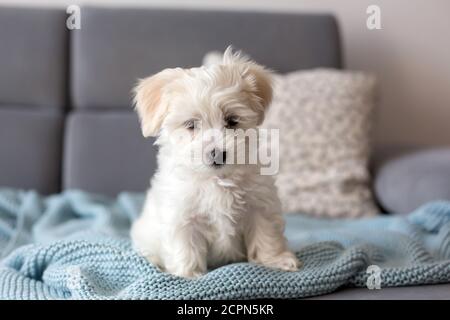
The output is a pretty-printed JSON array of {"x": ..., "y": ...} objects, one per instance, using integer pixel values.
[{"x": 65, "y": 106}]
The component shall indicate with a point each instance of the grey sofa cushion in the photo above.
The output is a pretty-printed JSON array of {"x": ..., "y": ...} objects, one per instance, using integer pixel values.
[
  {"x": 410, "y": 178},
  {"x": 33, "y": 57},
  {"x": 116, "y": 46},
  {"x": 425, "y": 292},
  {"x": 106, "y": 153},
  {"x": 30, "y": 143}
]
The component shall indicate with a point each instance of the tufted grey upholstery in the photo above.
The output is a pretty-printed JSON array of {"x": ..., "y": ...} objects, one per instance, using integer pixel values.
[
  {"x": 33, "y": 57},
  {"x": 33, "y": 82},
  {"x": 115, "y": 47},
  {"x": 106, "y": 153}
]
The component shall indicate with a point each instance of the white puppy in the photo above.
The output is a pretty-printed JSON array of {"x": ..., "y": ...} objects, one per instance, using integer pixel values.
[{"x": 207, "y": 213}]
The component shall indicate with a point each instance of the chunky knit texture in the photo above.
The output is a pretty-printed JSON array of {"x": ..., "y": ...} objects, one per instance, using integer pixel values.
[
  {"x": 75, "y": 246},
  {"x": 324, "y": 117}
]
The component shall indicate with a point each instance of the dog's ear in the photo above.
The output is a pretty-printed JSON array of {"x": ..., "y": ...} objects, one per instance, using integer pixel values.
[
  {"x": 261, "y": 87},
  {"x": 258, "y": 78},
  {"x": 149, "y": 102}
]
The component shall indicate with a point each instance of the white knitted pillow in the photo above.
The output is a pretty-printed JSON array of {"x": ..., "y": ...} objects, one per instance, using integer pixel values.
[{"x": 324, "y": 120}]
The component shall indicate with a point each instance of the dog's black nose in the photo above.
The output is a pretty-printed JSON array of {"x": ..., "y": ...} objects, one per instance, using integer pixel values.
[{"x": 218, "y": 157}]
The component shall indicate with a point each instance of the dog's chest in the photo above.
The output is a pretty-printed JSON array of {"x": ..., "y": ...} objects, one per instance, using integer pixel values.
[
  {"x": 221, "y": 203},
  {"x": 221, "y": 210}
]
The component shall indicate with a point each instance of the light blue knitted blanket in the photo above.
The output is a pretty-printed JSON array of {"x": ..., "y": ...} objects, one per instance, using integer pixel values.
[{"x": 75, "y": 245}]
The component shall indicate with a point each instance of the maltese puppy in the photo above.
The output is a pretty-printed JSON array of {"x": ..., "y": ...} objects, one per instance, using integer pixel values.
[{"x": 203, "y": 210}]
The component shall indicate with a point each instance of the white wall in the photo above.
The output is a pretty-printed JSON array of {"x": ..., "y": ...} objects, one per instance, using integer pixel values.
[{"x": 410, "y": 55}]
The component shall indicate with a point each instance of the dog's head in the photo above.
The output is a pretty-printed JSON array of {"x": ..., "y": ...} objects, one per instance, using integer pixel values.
[{"x": 198, "y": 111}]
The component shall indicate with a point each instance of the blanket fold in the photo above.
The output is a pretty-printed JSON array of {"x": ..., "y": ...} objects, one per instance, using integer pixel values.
[{"x": 75, "y": 245}]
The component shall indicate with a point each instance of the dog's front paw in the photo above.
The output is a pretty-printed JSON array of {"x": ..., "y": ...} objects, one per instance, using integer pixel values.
[
  {"x": 286, "y": 261},
  {"x": 186, "y": 273}
]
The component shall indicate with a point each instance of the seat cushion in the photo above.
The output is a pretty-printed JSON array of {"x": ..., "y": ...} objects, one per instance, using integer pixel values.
[
  {"x": 106, "y": 153},
  {"x": 410, "y": 178},
  {"x": 30, "y": 144},
  {"x": 33, "y": 57},
  {"x": 428, "y": 292}
]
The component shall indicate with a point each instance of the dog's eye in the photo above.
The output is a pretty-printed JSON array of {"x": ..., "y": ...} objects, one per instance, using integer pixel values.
[
  {"x": 191, "y": 124},
  {"x": 231, "y": 121}
]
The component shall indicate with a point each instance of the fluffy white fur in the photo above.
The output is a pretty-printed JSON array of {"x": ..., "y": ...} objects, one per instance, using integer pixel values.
[{"x": 196, "y": 215}]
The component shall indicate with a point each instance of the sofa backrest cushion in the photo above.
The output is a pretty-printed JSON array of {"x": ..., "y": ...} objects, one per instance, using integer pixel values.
[
  {"x": 115, "y": 47},
  {"x": 33, "y": 57},
  {"x": 33, "y": 96}
]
